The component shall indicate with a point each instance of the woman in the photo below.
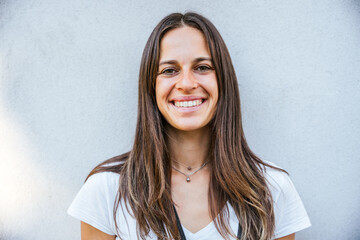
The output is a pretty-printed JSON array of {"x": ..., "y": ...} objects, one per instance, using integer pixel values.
[{"x": 190, "y": 173}]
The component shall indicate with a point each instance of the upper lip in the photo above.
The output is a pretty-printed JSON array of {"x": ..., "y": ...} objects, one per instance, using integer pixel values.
[{"x": 187, "y": 98}]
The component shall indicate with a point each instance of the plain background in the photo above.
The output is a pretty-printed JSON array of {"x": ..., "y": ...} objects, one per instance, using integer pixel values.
[{"x": 68, "y": 100}]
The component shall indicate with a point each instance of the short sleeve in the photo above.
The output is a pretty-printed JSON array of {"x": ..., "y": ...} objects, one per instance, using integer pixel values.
[
  {"x": 290, "y": 213},
  {"x": 94, "y": 203}
]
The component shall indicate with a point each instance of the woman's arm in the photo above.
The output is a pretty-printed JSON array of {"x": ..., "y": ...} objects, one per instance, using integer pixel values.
[
  {"x": 288, "y": 237},
  {"x": 88, "y": 232}
]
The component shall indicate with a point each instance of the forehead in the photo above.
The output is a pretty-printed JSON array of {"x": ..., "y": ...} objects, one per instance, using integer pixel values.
[{"x": 183, "y": 42}]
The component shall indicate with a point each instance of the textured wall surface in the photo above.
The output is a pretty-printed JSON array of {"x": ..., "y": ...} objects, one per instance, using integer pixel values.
[{"x": 68, "y": 100}]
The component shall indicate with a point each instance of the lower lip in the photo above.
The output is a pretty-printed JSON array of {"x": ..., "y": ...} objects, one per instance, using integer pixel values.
[{"x": 188, "y": 109}]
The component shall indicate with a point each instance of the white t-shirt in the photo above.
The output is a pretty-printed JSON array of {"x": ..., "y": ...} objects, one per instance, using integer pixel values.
[{"x": 94, "y": 205}]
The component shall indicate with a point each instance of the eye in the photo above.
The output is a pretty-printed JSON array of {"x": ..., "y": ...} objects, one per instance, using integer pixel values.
[
  {"x": 203, "y": 68},
  {"x": 169, "y": 71}
]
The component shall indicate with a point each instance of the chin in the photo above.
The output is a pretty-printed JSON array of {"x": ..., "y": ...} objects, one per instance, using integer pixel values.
[{"x": 189, "y": 127}]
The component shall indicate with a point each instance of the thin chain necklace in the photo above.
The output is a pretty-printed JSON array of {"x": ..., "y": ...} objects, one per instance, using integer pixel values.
[
  {"x": 188, "y": 167},
  {"x": 190, "y": 174}
]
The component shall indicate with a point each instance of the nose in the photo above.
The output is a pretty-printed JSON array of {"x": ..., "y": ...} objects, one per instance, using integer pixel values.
[{"x": 187, "y": 81}]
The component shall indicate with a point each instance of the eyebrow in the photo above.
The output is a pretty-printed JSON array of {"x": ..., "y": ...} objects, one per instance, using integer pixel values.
[{"x": 196, "y": 60}]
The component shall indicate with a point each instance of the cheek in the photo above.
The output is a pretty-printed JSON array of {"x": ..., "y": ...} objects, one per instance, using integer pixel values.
[
  {"x": 211, "y": 87},
  {"x": 215, "y": 91},
  {"x": 157, "y": 89},
  {"x": 162, "y": 88},
  {"x": 215, "y": 88},
  {"x": 162, "y": 91}
]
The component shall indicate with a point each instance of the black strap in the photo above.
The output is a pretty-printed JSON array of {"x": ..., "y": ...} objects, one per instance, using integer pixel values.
[
  {"x": 181, "y": 230},
  {"x": 239, "y": 232},
  {"x": 178, "y": 223}
]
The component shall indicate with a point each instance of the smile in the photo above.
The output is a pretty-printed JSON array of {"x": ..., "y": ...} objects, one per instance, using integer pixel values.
[{"x": 187, "y": 104}]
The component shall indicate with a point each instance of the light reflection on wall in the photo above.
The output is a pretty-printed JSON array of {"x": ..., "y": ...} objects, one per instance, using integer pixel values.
[{"x": 21, "y": 182}]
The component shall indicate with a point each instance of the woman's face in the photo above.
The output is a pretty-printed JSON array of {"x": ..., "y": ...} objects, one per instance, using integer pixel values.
[{"x": 186, "y": 84}]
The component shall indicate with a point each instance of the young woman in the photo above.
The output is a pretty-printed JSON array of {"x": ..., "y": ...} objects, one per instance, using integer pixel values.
[{"x": 190, "y": 173}]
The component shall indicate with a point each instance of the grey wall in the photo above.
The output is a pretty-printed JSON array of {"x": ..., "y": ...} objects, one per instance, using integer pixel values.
[{"x": 68, "y": 98}]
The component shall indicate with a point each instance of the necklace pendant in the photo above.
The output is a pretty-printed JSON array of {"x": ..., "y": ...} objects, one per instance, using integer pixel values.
[
  {"x": 188, "y": 179},
  {"x": 189, "y": 168}
]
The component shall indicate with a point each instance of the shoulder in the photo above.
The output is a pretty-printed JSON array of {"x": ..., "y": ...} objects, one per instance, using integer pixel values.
[
  {"x": 105, "y": 176},
  {"x": 103, "y": 179},
  {"x": 101, "y": 189},
  {"x": 94, "y": 203},
  {"x": 282, "y": 188},
  {"x": 290, "y": 213},
  {"x": 277, "y": 180}
]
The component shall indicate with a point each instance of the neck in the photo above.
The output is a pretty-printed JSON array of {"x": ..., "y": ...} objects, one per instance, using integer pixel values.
[{"x": 188, "y": 149}]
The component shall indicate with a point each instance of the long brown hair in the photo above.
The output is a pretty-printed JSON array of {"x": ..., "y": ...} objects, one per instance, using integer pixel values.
[{"x": 237, "y": 173}]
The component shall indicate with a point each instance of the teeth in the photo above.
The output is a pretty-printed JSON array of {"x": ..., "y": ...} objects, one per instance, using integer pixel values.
[{"x": 188, "y": 103}]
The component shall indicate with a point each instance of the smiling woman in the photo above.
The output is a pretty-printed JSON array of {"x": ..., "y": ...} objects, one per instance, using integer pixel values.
[{"x": 190, "y": 173}]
